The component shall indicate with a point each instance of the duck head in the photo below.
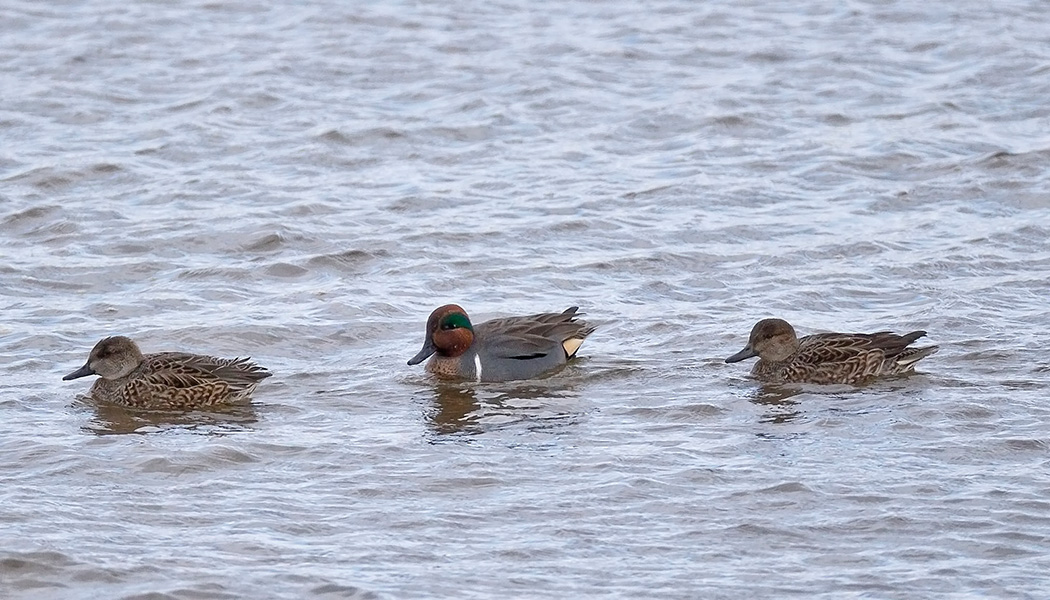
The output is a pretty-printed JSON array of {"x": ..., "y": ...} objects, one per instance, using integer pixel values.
[
  {"x": 449, "y": 334},
  {"x": 771, "y": 339},
  {"x": 111, "y": 358}
]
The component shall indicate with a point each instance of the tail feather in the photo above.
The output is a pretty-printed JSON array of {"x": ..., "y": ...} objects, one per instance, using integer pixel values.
[
  {"x": 572, "y": 344},
  {"x": 908, "y": 338},
  {"x": 913, "y": 355}
]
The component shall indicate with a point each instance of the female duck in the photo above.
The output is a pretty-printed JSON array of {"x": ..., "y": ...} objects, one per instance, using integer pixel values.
[
  {"x": 828, "y": 357},
  {"x": 501, "y": 349},
  {"x": 166, "y": 380}
]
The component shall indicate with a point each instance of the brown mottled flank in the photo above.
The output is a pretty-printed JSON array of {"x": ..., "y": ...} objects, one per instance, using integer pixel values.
[
  {"x": 828, "y": 358},
  {"x": 167, "y": 380}
]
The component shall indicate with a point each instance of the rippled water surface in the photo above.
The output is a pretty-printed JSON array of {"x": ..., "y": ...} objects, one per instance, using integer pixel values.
[{"x": 304, "y": 183}]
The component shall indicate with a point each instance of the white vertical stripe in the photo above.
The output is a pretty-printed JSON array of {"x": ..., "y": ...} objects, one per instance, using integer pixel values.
[{"x": 477, "y": 366}]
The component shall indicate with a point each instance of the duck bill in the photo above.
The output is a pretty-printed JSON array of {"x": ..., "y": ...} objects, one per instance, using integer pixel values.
[
  {"x": 81, "y": 372},
  {"x": 424, "y": 353},
  {"x": 747, "y": 352}
]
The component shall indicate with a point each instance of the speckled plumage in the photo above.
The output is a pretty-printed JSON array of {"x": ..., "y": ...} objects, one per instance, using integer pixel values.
[
  {"x": 828, "y": 358},
  {"x": 167, "y": 380},
  {"x": 505, "y": 349}
]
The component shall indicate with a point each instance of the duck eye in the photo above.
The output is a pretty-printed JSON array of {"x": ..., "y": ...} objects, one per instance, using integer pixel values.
[{"x": 447, "y": 326}]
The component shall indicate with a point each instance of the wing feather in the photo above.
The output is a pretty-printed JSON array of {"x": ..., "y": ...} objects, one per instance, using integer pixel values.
[{"x": 534, "y": 336}]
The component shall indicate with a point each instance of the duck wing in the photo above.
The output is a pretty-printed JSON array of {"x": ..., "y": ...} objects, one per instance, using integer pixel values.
[
  {"x": 839, "y": 346},
  {"x": 534, "y": 336},
  {"x": 239, "y": 373},
  {"x": 850, "y": 357}
]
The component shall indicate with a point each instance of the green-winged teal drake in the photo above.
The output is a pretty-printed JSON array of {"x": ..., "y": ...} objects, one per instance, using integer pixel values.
[
  {"x": 828, "y": 357},
  {"x": 501, "y": 349},
  {"x": 166, "y": 380}
]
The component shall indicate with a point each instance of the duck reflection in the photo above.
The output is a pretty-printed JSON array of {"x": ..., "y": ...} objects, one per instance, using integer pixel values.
[
  {"x": 456, "y": 409},
  {"x": 472, "y": 409},
  {"x": 113, "y": 419},
  {"x": 778, "y": 402}
]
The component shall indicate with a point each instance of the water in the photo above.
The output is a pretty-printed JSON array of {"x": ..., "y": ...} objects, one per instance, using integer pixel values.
[{"x": 305, "y": 183}]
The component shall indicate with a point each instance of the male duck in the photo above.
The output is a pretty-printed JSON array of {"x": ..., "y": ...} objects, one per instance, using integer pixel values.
[
  {"x": 166, "y": 380},
  {"x": 828, "y": 357},
  {"x": 501, "y": 349}
]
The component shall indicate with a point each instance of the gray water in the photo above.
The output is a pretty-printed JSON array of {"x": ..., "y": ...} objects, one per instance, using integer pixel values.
[{"x": 305, "y": 184}]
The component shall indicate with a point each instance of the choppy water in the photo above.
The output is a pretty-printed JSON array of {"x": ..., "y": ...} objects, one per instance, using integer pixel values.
[{"x": 305, "y": 183}]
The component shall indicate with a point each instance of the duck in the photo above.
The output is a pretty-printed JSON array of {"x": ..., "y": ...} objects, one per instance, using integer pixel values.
[
  {"x": 511, "y": 348},
  {"x": 828, "y": 358},
  {"x": 166, "y": 380}
]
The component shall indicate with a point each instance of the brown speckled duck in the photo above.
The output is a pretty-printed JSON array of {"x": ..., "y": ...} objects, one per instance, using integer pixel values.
[
  {"x": 828, "y": 357},
  {"x": 166, "y": 380}
]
